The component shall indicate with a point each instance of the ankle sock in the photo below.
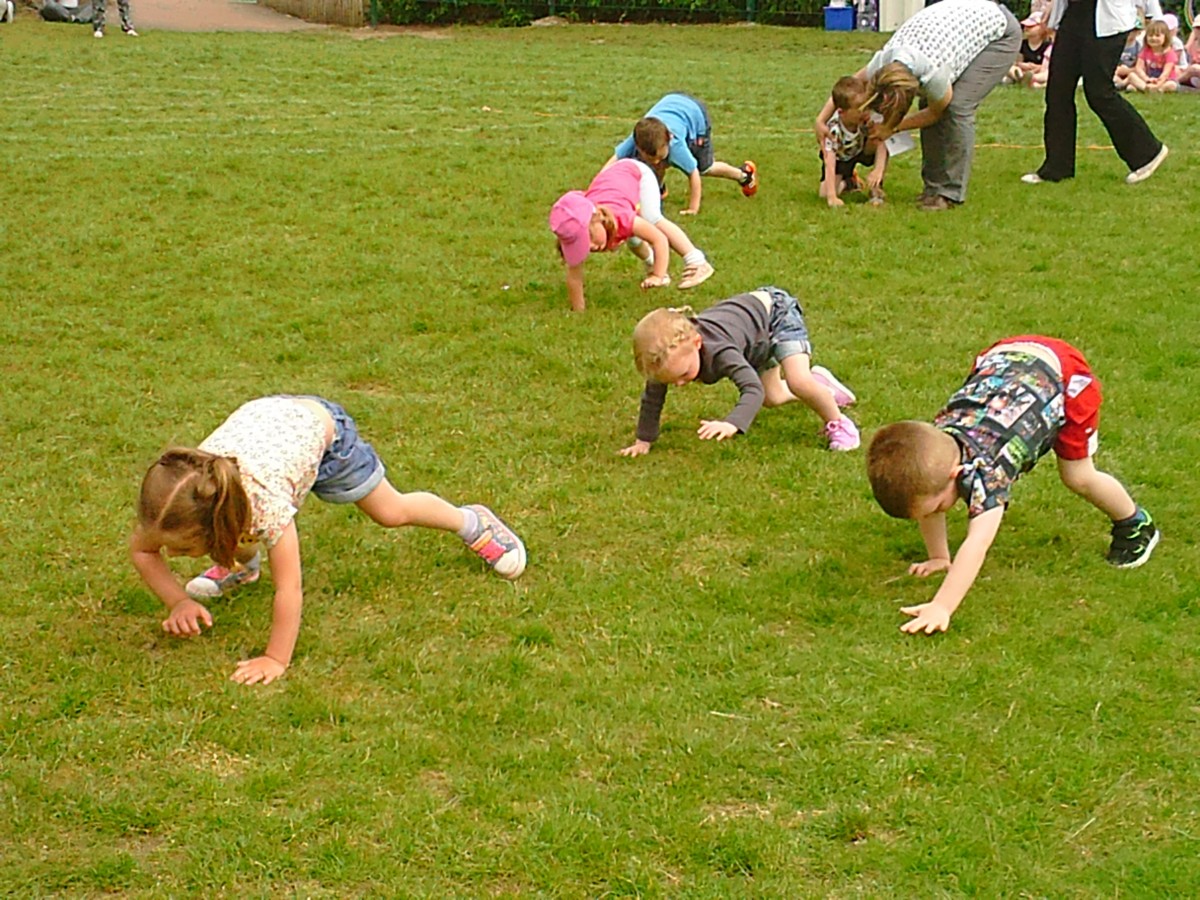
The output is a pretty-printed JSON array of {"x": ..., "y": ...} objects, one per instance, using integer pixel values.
[
  {"x": 695, "y": 258},
  {"x": 1139, "y": 516},
  {"x": 471, "y": 528}
]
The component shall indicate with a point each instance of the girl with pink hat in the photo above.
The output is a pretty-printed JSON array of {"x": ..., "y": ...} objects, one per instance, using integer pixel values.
[{"x": 623, "y": 203}]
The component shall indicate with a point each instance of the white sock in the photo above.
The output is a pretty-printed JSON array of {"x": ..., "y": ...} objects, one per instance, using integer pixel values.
[
  {"x": 695, "y": 258},
  {"x": 470, "y": 530}
]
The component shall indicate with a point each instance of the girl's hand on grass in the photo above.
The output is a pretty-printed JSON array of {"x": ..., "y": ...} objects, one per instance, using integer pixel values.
[
  {"x": 928, "y": 617},
  {"x": 637, "y": 448},
  {"x": 655, "y": 281},
  {"x": 186, "y": 618},
  {"x": 929, "y": 567},
  {"x": 719, "y": 430},
  {"x": 835, "y": 202},
  {"x": 260, "y": 670}
]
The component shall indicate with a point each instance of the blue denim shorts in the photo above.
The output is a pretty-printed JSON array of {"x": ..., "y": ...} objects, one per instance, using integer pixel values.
[
  {"x": 350, "y": 468},
  {"x": 789, "y": 333}
]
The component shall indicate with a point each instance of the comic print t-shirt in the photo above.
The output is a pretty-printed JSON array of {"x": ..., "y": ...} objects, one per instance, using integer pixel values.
[{"x": 1005, "y": 417}]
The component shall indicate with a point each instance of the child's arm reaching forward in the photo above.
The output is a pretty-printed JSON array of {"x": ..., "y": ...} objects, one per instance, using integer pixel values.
[
  {"x": 875, "y": 176},
  {"x": 649, "y": 414},
  {"x": 695, "y": 189},
  {"x": 575, "y": 288},
  {"x": 961, "y": 573},
  {"x": 829, "y": 183},
  {"x": 285, "y": 616},
  {"x": 186, "y": 616},
  {"x": 662, "y": 252}
]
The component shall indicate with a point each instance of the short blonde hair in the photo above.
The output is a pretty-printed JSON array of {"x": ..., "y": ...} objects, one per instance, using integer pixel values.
[
  {"x": 658, "y": 334},
  {"x": 907, "y": 461}
]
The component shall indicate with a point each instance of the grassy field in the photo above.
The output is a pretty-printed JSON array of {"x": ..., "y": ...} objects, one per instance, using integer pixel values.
[{"x": 699, "y": 688}]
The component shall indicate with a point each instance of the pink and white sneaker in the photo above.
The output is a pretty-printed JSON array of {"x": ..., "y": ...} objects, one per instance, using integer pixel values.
[
  {"x": 842, "y": 395},
  {"x": 218, "y": 580},
  {"x": 842, "y": 434},
  {"x": 498, "y": 545}
]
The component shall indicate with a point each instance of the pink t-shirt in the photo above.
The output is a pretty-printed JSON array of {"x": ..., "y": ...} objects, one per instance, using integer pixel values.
[
  {"x": 1157, "y": 62},
  {"x": 619, "y": 189}
]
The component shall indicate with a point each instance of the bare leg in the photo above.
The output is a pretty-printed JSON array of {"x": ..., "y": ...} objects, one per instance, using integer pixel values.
[
  {"x": 1098, "y": 488},
  {"x": 724, "y": 170},
  {"x": 777, "y": 393},
  {"x": 391, "y": 509},
  {"x": 807, "y": 389}
]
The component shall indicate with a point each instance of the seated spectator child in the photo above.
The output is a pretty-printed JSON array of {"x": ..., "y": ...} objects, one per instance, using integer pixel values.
[
  {"x": 1155, "y": 69},
  {"x": 1023, "y": 397},
  {"x": 749, "y": 339},
  {"x": 1033, "y": 65},
  {"x": 677, "y": 132},
  {"x": 850, "y": 143},
  {"x": 1129, "y": 57},
  {"x": 622, "y": 204},
  {"x": 1189, "y": 71}
]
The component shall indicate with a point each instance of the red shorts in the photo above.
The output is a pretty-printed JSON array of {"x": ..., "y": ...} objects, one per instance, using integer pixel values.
[{"x": 1081, "y": 397}]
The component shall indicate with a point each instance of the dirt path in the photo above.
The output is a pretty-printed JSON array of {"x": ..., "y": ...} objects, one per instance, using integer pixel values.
[{"x": 210, "y": 15}]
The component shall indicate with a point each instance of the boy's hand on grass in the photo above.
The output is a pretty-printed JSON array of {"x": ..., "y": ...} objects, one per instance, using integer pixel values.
[
  {"x": 260, "y": 670},
  {"x": 835, "y": 202},
  {"x": 637, "y": 448},
  {"x": 928, "y": 617},
  {"x": 186, "y": 618},
  {"x": 719, "y": 430},
  {"x": 929, "y": 567},
  {"x": 655, "y": 281},
  {"x": 874, "y": 180}
]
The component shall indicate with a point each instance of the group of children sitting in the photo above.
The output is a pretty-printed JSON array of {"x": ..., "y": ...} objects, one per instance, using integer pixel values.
[{"x": 1155, "y": 59}]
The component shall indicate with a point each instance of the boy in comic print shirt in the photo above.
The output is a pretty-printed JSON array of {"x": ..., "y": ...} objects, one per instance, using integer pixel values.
[{"x": 1025, "y": 396}]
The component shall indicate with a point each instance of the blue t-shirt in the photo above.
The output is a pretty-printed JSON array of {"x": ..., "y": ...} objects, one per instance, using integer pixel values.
[{"x": 685, "y": 119}]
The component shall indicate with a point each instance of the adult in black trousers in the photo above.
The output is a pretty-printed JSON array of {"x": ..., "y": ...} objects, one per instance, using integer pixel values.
[{"x": 1089, "y": 40}]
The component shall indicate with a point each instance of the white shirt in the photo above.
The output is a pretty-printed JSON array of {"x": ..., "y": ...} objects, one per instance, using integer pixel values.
[
  {"x": 939, "y": 42},
  {"x": 1112, "y": 16}
]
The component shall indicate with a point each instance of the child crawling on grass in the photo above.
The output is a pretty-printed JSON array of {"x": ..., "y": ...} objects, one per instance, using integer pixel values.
[
  {"x": 758, "y": 340},
  {"x": 240, "y": 491},
  {"x": 1024, "y": 396}
]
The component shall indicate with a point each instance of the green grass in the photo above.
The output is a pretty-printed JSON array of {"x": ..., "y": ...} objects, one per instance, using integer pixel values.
[{"x": 698, "y": 688}]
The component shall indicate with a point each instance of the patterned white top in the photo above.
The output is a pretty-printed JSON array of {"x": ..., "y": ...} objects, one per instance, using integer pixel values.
[
  {"x": 939, "y": 42},
  {"x": 842, "y": 142},
  {"x": 278, "y": 444}
]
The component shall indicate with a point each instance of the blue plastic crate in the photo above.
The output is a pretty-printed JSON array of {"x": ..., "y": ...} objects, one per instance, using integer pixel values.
[{"x": 839, "y": 18}]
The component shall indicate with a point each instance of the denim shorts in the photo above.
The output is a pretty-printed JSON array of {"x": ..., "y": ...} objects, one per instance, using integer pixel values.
[
  {"x": 701, "y": 146},
  {"x": 789, "y": 333},
  {"x": 350, "y": 468}
]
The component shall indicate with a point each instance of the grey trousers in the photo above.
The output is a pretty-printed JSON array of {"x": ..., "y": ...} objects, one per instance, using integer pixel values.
[{"x": 948, "y": 145}]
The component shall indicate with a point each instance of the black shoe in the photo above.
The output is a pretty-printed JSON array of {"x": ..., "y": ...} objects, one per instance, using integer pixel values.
[{"x": 1132, "y": 544}]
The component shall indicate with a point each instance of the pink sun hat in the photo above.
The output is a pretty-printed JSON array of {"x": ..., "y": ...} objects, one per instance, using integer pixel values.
[{"x": 569, "y": 220}]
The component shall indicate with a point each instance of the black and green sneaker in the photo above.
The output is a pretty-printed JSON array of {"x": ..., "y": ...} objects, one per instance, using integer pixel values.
[{"x": 1133, "y": 542}]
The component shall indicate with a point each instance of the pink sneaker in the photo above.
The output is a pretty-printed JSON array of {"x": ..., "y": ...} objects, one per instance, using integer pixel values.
[
  {"x": 842, "y": 395},
  {"x": 842, "y": 434},
  {"x": 218, "y": 579},
  {"x": 498, "y": 545}
]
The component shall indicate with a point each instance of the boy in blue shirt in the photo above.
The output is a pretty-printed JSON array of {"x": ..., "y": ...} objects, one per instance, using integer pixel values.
[{"x": 677, "y": 132}]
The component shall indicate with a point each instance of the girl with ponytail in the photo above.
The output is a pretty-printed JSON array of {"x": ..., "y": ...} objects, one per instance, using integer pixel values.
[{"x": 240, "y": 491}]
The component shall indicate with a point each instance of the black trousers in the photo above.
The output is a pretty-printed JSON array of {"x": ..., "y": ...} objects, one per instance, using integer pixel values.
[{"x": 1078, "y": 52}]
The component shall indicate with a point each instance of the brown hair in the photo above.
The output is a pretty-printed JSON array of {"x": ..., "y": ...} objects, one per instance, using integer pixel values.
[
  {"x": 850, "y": 92},
  {"x": 895, "y": 87},
  {"x": 650, "y": 135},
  {"x": 659, "y": 333},
  {"x": 906, "y": 461},
  {"x": 1159, "y": 27},
  {"x": 196, "y": 496}
]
